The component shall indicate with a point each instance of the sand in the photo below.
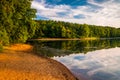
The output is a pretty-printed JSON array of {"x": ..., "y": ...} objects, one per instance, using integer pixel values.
[{"x": 18, "y": 62}]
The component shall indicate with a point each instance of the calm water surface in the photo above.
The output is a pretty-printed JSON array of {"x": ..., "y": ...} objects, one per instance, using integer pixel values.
[
  {"x": 94, "y": 60},
  {"x": 96, "y": 65}
]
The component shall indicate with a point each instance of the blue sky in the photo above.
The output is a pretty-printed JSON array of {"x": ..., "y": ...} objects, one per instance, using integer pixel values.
[{"x": 96, "y": 12}]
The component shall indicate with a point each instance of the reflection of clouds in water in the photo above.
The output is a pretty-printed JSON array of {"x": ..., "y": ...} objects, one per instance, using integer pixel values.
[
  {"x": 103, "y": 76},
  {"x": 100, "y": 64}
]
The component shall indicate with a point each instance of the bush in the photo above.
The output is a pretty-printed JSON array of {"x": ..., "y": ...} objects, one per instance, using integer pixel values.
[
  {"x": 1, "y": 47},
  {"x": 4, "y": 39}
]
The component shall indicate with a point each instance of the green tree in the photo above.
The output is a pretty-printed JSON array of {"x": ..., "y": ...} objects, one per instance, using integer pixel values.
[
  {"x": 17, "y": 20},
  {"x": 58, "y": 29},
  {"x": 85, "y": 31}
]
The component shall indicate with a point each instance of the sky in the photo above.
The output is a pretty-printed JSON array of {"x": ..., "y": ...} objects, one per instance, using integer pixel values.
[{"x": 94, "y": 12}]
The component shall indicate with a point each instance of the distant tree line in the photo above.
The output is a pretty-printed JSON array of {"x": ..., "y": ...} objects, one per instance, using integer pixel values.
[{"x": 59, "y": 29}]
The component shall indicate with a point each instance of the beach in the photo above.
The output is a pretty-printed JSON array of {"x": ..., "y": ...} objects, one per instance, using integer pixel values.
[{"x": 18, "y": 62}]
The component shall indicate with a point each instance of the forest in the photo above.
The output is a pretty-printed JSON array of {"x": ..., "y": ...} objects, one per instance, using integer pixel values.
[
  {"x": 18, "y": 24},
  {"x": 60, "y": 29}
]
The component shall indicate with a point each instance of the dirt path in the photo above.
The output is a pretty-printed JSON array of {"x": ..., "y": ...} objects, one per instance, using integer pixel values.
[{"x": 19, "y": 63}]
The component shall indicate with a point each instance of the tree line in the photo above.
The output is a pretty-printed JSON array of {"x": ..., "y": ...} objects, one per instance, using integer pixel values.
[{"x": 59, "y": 29}]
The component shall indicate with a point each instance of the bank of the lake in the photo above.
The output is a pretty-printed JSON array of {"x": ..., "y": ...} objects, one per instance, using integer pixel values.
[
  {"x": 18, "y": 62},
  {"x": 63, "y": 39}
]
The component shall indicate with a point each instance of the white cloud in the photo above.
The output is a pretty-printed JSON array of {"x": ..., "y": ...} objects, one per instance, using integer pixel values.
[
  {"x": 105, "y": 13},
  {"x": 50, "y": 11}
]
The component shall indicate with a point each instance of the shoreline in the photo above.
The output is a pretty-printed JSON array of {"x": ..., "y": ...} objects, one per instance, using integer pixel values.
[
  {"x": 63, "y": 39},
  {"x": 22, "y": 63}
]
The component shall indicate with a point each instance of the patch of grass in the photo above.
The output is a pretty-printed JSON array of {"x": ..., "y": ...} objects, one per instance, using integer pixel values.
[{"x": 19, "y": 47}]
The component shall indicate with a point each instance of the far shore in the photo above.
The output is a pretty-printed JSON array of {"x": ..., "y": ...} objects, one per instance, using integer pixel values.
[
  {"x": 64, "y": 39},
  {"x": 55, "y": 39}
]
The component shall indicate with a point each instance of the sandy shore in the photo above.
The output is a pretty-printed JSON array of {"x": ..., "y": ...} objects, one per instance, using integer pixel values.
[{"x": 17, "y": 62}]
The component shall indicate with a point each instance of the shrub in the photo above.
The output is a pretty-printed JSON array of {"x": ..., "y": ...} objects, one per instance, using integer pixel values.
[
  {"x": 4, "y": 39},
  {"x": 1, "y": 47}
]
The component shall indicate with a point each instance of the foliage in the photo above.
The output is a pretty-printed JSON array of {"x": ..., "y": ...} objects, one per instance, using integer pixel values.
[
  {"x": 16, "y": 24},
  {"x": 1, "y": 47},
  {"x": 3, "y": 37},
  {"x": 58, "y": 29}
]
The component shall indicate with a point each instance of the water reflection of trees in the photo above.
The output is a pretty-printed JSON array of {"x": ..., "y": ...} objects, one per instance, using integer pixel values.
[{"x": 58, "y": 48}]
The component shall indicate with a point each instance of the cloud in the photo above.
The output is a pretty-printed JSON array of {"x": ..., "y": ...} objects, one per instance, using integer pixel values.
[
  {"x": 49, "y": 11},
  {"x": 97, "y": 12}
]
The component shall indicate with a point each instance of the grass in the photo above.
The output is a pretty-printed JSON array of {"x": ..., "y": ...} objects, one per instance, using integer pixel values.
[{"x": 19, "y": 47}]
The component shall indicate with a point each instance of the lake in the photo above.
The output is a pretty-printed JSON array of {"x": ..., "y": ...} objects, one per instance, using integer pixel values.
[{"x": 92, "y": 59}]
